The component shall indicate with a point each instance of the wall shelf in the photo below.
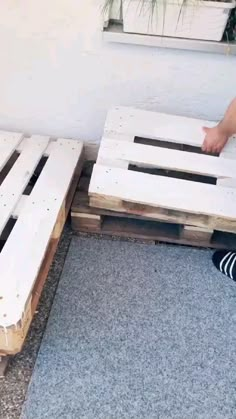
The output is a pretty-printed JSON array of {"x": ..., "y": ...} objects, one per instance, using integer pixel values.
[{"x": 114, "y": 33}]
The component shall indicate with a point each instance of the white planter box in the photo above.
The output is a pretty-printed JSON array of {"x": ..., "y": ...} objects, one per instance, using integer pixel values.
[{"x": 193, "y": 19}]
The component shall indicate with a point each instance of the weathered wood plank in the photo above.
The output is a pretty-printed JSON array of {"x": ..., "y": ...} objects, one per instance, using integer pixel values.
[{"x": 194, "y": 200}]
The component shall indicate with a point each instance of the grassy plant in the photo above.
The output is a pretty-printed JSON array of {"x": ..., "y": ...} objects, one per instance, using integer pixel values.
[
  {"x": 153, "y": 7},
  {"x": 153, "y": 3},
  {"x": 230, "y": 31},
  {"x": 109, "y": 3}
]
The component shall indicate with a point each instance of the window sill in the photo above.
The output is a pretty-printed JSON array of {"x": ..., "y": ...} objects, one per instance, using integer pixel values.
[{"x": 114, "y": 33}]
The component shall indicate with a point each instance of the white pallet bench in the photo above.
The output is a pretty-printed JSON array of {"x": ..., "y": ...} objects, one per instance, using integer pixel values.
[
  {"x": 134, "y": 139},
  {"x": 29, "y": 247}
]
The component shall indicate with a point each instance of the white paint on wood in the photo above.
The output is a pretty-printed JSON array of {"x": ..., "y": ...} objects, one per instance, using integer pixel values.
[
  {"x": 228, "y": 182},
  {"x": 19, "y": 206},
  {"x": 25, "y": 248},
  {"x": 115, "y": 153},
  {"x": 8, "y": 144},
  {"x": 19, "y": 176},
  {"x": 109, "y": 159},
  {"x": 157, "y": 126},
  {"x": 22, "y": 144},
  {"x": 25, "y": 141},
  {"x": 48, "y": 149},
  {"x": 117, "y": 150},
  {"x": 164, "y": 192},
  {"x": 230, "y": 155}
]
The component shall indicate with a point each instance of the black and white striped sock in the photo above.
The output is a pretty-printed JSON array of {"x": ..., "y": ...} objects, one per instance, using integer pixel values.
[{"x": 225, "y": 262}]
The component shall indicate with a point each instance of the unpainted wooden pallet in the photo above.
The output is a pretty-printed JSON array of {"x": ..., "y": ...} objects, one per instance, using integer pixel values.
[
  {"x": 150, "y": 164},
  {"x": 87, "y": 219},
  {"x": 38, "y": 179}
]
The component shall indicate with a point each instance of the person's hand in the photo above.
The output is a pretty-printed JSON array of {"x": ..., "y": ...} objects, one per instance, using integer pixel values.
[{"x": 215, "y": 139}]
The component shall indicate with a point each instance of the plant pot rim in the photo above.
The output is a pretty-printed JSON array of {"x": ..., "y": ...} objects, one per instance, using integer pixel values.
[{"x": 231, "y": 4}]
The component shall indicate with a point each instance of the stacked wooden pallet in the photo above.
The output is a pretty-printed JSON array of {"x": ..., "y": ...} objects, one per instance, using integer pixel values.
[
  {"x": 150, "y": 167},
  {"x": 38, "y": 178}
]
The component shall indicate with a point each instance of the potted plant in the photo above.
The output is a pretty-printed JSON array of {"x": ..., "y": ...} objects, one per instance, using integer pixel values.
[{"x": 195, "y": 19}]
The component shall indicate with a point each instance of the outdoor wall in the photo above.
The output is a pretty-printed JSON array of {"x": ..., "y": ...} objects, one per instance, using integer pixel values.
[{"x": 58, "y": 77}]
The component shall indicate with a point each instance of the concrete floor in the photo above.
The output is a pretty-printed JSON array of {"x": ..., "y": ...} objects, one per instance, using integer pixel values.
[
  {"x": 137, "y": 331},
  {"x": 14, "y": 386}
]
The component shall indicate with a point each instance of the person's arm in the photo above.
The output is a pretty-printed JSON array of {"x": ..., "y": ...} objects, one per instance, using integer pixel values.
[{"x": 217, "y": 137}]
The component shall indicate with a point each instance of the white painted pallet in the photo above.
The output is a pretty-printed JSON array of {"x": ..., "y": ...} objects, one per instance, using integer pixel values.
[
  {"x": 171, "y": 199},
  {"x": 37, "y": 217}
]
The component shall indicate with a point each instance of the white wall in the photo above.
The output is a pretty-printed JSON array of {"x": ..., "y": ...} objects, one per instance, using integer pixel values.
[{"x": 58, "y": 77}]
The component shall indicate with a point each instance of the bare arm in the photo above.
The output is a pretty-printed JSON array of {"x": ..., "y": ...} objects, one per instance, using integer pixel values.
[{"x": 217, "y": 137}]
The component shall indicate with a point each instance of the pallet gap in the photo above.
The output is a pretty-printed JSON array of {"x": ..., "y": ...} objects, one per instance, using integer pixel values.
[
  {"x": 83, "y": 184},
  {"x": 134, "y": 226},
  {"x": 6, "y": 232},
  {"x": 157, "y": 231},
  {"x": 8, "y": 166},
  {"x": 35, "y": 176},
  {"x": 172, "y": 146},
  {"x": 224, "y": 239},
  {"x": 174, "y": 174},
  {"x": 87, "y": 168},
  {"x": 146, "y": 227}
]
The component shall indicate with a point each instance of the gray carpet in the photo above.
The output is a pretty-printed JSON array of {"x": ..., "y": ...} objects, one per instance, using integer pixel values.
[{"x": 137, "y": 331}]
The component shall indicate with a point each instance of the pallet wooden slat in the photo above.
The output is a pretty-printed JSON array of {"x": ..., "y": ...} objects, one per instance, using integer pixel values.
[
  {"x": 28, "y": 251},
  {"x": 173, "y": 194},
  {"x": 19, "y": 206},
  {"x": 87, "y": 218},
  {"x": 14, "y": 184},
  {"x": 35, "y": 224},
  {"x": 125, "y": 121},
  {"x": 8, "y": 143},
  {"x": 149, "y": 156}
]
